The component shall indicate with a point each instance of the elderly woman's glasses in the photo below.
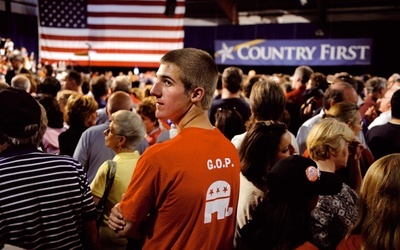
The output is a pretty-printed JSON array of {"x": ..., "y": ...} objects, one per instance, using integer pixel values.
[{"x": 108, "y": 131}]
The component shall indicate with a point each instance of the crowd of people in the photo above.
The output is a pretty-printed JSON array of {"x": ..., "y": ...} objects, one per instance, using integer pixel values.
[{"x": 205, "y": 159}]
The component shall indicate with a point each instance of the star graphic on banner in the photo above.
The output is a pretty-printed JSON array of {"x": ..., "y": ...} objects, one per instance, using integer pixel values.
[{"x": 226, "y": 52}]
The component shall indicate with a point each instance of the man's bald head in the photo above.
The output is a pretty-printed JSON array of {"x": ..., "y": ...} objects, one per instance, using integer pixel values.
[
  {"x": 119, "y": 101},
  {"x": 341, "y": 92},
  {"x": 21, "y": 81},
  {"x": 349, "y": 92}
]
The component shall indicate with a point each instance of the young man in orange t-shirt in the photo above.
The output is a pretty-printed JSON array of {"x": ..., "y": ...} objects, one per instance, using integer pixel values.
[{"x": 184, "y": 191}]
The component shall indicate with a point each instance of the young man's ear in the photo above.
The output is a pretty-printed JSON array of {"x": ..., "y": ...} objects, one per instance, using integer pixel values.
[{"x": 197, "y": 94}]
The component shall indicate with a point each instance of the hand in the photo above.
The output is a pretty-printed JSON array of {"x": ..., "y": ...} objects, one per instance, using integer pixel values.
[
  {"x": 370, "y": 114},
  {"x": 308, "y": 108},
  {"x": 355, "y": 150},
  {"x": 355, "y": 176},
  {"x": 307, "y": 111},
  {"x": 116, "y": 221}
]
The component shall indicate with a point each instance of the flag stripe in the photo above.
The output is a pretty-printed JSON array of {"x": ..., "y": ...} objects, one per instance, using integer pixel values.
[
  {"x": 83, "y": 33},
  {"x": 112, "y": 56},
  {"x": 122, "y": 60},
  {"x": 133, "y": 10},
  {"x": 109, "y": 63},
  {"x": 112, "y": 45},
  {"x": 138, "y": 15},
  {"x": 144, "y": 3},
  {"x": 118, "y": 33},
  {"x": 132, "y": 27},
  {"x": 111, "y": 39},
  {"x": 145, "y": 22},
  {"x": 122, "y": 51}
]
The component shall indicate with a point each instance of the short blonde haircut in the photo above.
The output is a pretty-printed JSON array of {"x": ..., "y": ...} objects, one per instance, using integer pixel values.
[{"x": 328, "y": 134}]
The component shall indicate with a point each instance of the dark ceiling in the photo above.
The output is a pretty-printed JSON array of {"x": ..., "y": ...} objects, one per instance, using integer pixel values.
[{"x": 313, "y": 10}]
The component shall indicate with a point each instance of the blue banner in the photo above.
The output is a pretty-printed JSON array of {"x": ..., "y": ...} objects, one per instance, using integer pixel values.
[{"x": 312, "y": 52}]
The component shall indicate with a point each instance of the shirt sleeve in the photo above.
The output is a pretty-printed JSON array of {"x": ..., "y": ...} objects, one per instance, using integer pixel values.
[
  {"x": 88, "y": 208},
  {"x": 98, "y": 184},
  {"x": 301, "y": 138},
  {"x": 81, "y": 150}
]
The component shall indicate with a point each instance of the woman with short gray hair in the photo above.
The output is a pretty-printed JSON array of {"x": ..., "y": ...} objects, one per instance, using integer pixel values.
[{"x": 124, "y": 133}]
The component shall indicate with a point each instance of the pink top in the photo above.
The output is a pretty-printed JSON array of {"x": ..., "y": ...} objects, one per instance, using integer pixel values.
[{"x": 50, "y": 140}]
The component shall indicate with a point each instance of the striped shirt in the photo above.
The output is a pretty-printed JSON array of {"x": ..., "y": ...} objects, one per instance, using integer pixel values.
[{"x": 44, "y": 200}]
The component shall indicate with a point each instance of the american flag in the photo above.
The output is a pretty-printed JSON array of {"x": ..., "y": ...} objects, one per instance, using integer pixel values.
[{"x": 109, "y": 32}]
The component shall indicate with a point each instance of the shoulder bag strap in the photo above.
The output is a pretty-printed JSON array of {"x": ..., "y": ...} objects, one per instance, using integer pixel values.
[{"x": 112, "y": 168}]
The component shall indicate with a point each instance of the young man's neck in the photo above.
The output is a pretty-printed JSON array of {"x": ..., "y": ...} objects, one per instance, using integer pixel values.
[{"x": 194, "y": 117}]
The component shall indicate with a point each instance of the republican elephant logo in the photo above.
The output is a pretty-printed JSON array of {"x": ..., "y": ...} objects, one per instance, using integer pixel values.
[{"x": 217, "y": 201}]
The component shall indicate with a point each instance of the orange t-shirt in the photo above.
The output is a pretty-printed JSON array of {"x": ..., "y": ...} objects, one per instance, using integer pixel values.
[{"x": 187, "y": 190}]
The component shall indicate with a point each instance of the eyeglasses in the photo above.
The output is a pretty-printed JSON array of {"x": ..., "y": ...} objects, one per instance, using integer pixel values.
[{"x": 108, "y": 131}]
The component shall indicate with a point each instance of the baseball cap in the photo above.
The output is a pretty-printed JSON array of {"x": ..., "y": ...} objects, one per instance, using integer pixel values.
[
  {"x": 19, "y": 113},
  {"x": 297, "y": 177}
]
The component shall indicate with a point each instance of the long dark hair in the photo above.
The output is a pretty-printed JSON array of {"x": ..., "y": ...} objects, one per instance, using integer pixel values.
[
  {"x": 258, "y": 149},
  {"x": 229, "y": 121},
  {"x": 277, "y": 223}
]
